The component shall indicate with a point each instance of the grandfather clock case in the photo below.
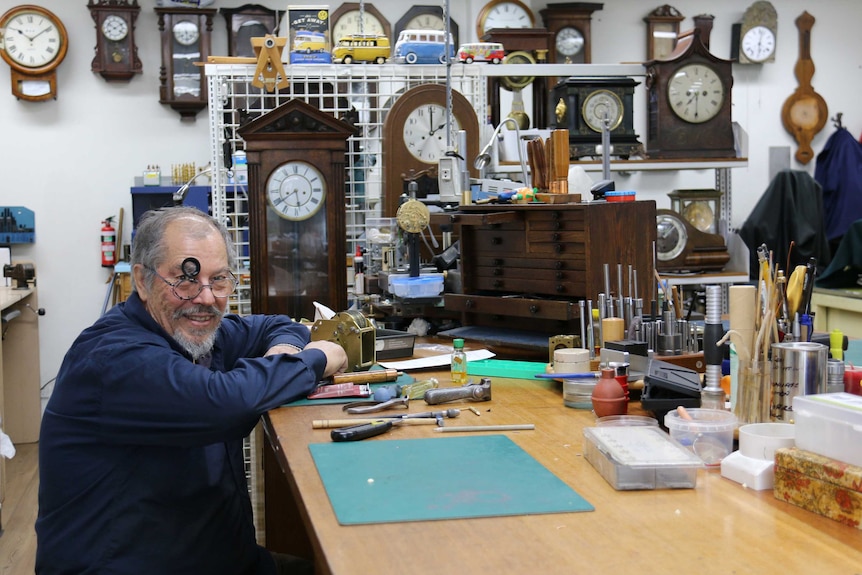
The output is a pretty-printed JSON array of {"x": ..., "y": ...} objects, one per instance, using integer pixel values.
[{"x": 297, "y": 260}]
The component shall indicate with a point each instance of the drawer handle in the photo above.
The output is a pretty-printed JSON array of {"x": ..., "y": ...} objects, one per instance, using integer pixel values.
[
  {"x": 498, "y": 283},
  {"x": 498, "y": 271},
  {"x": 499, "y": 262},
  {"x": 496, "y": 241},
  {"x": 555, "y": 237},
  {"x": 560, "y": 288},
  {"x": 560, "y": 275},
  {"x": 559, "y": 264},
  {"x": 558, "y": 248},
  {"x": 534, "y": 309},
  {"x": 558, "y": 225},
  {"x": 469, "y": 304}
]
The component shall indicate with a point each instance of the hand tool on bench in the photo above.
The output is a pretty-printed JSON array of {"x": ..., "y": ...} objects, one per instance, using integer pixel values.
[{"x": 472, "y": 391}]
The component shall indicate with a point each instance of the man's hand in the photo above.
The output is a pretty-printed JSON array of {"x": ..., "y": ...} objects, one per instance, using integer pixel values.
[{"x": 336, "y": 357}]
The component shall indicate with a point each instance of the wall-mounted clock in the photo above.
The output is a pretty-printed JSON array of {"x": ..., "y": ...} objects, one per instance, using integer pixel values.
[
  {"x": 33, "y": 41},
  {"x": 414, "y": 136},
  {"x": 662, "y": 31},
  {"x": 247, "y": 22},
  {"x": 353, "y": 18},
  {"x": 297, "y": 228},
  {"x": 425, "y": 18},
  {"x": 682, "y": 247},
  {"x": 804, "y": 113},
  {"x": 504, "y": 14},
  {"x": 570, "y": 24},
  {"x": 186, "y": 39},
  {"x": 116, "y": 52},
  {"x": 753, "y": 41},
  {"x": 581, "y": 105},
  {"x": 689, "y": 100}
]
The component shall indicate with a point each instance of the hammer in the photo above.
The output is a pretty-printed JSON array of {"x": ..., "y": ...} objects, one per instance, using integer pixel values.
[{"x": 474, "y": 392}]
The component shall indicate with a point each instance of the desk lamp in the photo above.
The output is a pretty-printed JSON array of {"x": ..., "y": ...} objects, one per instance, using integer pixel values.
[{"x": 484, "y": 157}]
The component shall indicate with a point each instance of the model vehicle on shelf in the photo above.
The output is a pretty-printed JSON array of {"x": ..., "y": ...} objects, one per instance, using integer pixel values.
[
  {"x": 308, "y": 42},
  {"x": 362, "y": 48},
  {"x": 423, "y": 47},
  {"x": 492, "y": 52}
]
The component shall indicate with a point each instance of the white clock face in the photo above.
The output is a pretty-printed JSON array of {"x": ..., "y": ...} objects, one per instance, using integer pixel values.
[
  {"x": 570, "y": 41},
  {"x": 671, "y": 237},
  {"x": 758, "y": 44},
  {"x": 600, "y": 105},
  {"x": 426, "y": 22},
  {"x": 186, "y": 32},
  {"x": 425, "y": 132},
  {"x": 114, "y": 28},
  {"x": 296, "y": 190},
  {"x": 507, "y": 15},
  {"x": 350, "y": 23},
  {"x": 31, "y": 39},
  {"x": 696, "y": 93}
]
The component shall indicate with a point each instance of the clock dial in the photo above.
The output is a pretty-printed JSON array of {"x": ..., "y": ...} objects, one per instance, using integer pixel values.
[
  {"x": 296, "y": 190},
  {"x": 671, "y": 237},
  {"x": 32, "y": 39},
  {"x": 695, "y": 93},
  {"x": 426, "y": 22},
  {"x": 350, "y": 23},
  {"x": 115, "y": 28},
  {"x": 425, "y": 132},
  {"x": 758, "y": 44},
  {"x": 569, "y": 41},
  {"x": 186, "y": 32},
  {"x": 504, "y": 14},
  {"x": 602, "y": 104},
  {"x": 805, "y": 113}
]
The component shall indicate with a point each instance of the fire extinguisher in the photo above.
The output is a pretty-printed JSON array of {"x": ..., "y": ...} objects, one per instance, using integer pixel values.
[{"x": 109, "y": 243}]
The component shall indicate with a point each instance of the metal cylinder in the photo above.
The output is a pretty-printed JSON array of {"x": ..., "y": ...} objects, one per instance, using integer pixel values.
[{"x": 798, "y": 368}]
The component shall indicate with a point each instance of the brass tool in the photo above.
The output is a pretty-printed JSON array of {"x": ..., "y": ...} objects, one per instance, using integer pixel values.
[
  {"x": 352, "y": 331},
  {"x": 473, "y": 392},
  {"x": 376, "y": 376}
]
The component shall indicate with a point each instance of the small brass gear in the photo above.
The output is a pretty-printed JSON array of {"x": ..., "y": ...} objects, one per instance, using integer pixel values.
[{"x": 413, "y": 216}]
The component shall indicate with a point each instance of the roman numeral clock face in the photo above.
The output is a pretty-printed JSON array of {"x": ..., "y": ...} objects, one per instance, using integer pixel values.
[
  {"x": 696, "y": 93},
  {"x": 296, "y": 190}
]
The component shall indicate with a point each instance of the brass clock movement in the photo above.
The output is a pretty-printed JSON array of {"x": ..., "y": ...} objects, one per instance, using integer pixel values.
[
  {"x": 414, "y": 136},
  {"x": 116, "y": 52},
  {"x": 570, "y": 24},
  {"x": 682, "y": 247},
  {"x": 297, "y": 227},
  {"x": 186, "y": 39},
  {"x": 583, "y": 104},
  {"x": 689, "y": 101},
  {"x": 247, "y": 22},
  {"x": 804, "y": 112},
  {"x": 352, "y": 18},
  {"x": 425, "y": 18},
  {"x": 33, "y": 41}
]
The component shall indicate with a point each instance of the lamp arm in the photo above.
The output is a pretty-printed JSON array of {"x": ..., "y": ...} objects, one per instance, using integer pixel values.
[
  {"x": 180, "y": 195},
  {"x": 484, "y": 156}
]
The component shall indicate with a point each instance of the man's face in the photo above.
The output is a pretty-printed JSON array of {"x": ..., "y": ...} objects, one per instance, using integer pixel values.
[{"x": 192, "y": 323}]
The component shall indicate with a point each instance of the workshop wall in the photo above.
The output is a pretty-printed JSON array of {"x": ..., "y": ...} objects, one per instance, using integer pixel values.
[{"x": 73, "y": 160}]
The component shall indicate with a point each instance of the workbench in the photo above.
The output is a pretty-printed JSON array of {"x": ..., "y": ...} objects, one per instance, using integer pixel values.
[
  {"x": 839, "y": 309},
  {"x": 717, "y": 527}
]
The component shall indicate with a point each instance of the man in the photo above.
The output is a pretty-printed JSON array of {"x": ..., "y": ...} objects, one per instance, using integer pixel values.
[{"x": 140, "y": 456}]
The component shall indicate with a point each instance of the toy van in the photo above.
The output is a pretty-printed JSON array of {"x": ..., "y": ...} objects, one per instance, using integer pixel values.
[
  {"x": 362, "y": 48},
  {"x": 481, "y": 52},
  {"x": 308, "y": 42},
  {"x": 423, "y": 47}
]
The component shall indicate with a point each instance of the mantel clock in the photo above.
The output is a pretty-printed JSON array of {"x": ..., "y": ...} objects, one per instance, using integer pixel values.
[{"x": 297, "y": 228}]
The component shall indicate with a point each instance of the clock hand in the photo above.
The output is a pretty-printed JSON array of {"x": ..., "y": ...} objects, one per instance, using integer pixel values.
[
  {"x": 22, "y": 33},
  {"x": 40, "y": 33},
  {"x": 437, "y": 129}
]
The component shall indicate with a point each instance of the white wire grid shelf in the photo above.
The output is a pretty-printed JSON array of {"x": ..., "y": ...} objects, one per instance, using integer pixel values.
[{"x": 362, "y": 92}]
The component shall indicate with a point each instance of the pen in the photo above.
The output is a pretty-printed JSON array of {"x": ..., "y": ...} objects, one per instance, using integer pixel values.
[{"x": 584, "y": 375}]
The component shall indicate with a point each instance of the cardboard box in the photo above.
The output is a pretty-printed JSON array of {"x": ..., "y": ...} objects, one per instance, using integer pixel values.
[{"x": 820, "y": 484}]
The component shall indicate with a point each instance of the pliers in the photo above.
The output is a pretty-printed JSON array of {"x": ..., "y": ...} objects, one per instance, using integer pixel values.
[{"x": 373, "y": 407}]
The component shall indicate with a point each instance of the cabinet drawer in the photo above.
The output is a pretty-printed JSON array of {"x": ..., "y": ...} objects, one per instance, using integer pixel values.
[
  {"x": 532, "y": 285},
  {"x": 498, "y": 241},
  {"x": 513, "y": 306},
  {"x": 572, "y": 264}
]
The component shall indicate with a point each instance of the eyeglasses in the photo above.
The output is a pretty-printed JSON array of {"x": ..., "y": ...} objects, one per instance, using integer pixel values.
[{"x": 186, "y": 289}]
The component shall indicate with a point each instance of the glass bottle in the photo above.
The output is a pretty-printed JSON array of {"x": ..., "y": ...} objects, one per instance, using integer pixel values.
[{"x": 459, "y": 363}]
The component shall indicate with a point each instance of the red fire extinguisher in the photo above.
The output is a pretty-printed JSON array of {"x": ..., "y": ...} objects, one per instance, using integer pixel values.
[{"x": 109, "y": 243}]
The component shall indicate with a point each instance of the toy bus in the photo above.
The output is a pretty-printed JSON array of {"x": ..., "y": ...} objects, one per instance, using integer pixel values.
[
  {"x": 481, "y": 52},
  {"x": 362, "y": 48},
  {"x": 423, "y": 47}
]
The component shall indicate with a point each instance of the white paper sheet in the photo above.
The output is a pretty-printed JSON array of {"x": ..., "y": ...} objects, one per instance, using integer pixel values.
[{"x": 435, "y": 360}]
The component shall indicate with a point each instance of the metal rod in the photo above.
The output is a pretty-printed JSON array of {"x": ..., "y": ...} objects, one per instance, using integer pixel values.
[{"x": 518, "y": 427}]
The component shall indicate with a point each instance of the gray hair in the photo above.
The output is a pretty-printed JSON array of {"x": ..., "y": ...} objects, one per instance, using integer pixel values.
[{"x": 148, "y": 246}]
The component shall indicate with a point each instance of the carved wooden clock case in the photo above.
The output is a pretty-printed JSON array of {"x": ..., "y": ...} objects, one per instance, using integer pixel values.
[
  {"x": 116, "y": 56},
  {"x": 689, "y": 101},
  {"x": 297, "y": 228}
]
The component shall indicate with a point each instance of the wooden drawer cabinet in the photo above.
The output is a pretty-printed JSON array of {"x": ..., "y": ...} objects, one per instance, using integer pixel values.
[{"x": 538, "y": 261}]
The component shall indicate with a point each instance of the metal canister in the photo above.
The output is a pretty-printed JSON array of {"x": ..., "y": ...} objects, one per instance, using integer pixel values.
[{"x": 798, "y": 368}]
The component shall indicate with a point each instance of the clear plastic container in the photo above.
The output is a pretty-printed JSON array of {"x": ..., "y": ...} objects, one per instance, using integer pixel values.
[
  {"x": 578, "y": 393},
  {"x": 416, "y": 287},
  {"x": 706, "y": 432},
  {"x": 628, "y": 420}
]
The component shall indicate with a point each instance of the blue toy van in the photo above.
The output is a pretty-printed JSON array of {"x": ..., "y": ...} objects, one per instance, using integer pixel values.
[{"x": 423, "y": 47}]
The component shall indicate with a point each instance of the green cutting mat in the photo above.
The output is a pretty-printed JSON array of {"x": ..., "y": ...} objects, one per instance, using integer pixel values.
[
  {"x": 384, "y": 481},
  {"x": 505, "y": 368}
]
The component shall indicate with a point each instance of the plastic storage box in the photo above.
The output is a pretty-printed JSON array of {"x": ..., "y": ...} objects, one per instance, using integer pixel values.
[
  {"x": 707, "y": 432},
  {"x": 830, "y": 424},
  {"x": 423, "y": 286},
  {"x": 633, "y": 457}
]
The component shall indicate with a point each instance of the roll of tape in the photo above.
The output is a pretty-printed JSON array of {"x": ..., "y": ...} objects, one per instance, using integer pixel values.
[{"x": 571, "y": 355}]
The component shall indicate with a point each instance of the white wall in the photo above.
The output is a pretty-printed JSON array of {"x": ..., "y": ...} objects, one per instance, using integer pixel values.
[{"x": 73, "y": 160}]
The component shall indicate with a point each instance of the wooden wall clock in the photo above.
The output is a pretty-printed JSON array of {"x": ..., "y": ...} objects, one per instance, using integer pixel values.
[
  {"x": 662, "y": 31},
  {"x": 358, "y": 18},
  {"x": 804, "y": 113},
  {"x": 425, "y": 18},
  {"x": 116, "y": 52},
  {"x": 689, "y": 101},
  {"x": 570, "y": 24},
  {"x": 753, "y": 41},
  {"x": 186, "y": 36},
  {"x": 247, "y": 22},
  {"x": 414, "y": 136},
  {"x": 297, "y": 228},
  {"x": 33, "y": 41}
]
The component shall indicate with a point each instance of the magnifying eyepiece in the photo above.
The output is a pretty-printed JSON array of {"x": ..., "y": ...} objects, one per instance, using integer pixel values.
[{"x": 191, "y": 267}]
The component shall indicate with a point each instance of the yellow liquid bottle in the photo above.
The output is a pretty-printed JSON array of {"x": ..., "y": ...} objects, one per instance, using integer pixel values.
[{"x": 459, "y": 363}]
